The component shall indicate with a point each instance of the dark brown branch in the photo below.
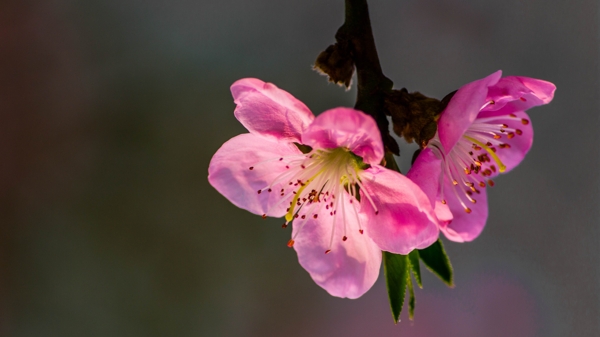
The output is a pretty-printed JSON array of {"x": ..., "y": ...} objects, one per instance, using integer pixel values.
[{"x": 356, "y": 37}]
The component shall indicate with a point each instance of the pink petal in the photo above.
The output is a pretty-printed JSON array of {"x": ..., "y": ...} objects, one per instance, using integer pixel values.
[
  {"x": 425, "y": 172},
  {"x": 463, "y": 109},
  {"x": 515, "y": 93},
  {"x": 352, "y": 266},
  {"x": 406, "y": 219},
  {"x": 464, "y": 226},
  {"x": 268, "y": 111},
  {"x": 349, "y": 128},
  {"x": 229, "y": 173}
]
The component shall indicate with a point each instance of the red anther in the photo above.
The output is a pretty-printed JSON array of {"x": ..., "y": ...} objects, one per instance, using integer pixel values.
[
  {"x": 468, "y": 210},
  {"x": 303, "y": 217},
  {"x": 519, "y": 132},
  {"x": 251, "y": 168},
  {"x": 328, "y": 251},
  {"x": 296, "y": 216},
  {"x": 523, "y": 99},
  {"x": 444, "y": 202},
  {"x": 361, "y": 231},
  {"x": 303, "y": 166},
  {"x": 473, "y": 201},
  {"x": 280, "y": 159},
  {"x": 290, "y": 243},
  {"x": 287, "y": 166},
  {"x": 524, "y": 121},
  {"x": 284, "y": 225},
  {"x": 269, "y": 190},
  {"x": 490, "y": 182},
  {"x": 497, "y": 137},
  {"x": 264, "y": 216},
  {"x": 493, "y": 168},
  {"x": 513, "y": 115},
  {"x": 259, "y": 191},
  {"x": 492, "y": 102},
  {"x": 344, "y": 238},
  {"x": 376, "y": 212},
  {"x": 315, "y": 216},
  {"x": 510, "y": 135}
]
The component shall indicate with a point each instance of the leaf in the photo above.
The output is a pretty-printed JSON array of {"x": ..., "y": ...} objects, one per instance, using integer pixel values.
[
  {"x": 390, "y": 162},
  {"x": 411, "y": 299},
  {"x": 395, "y": 268},
  {"x": 437, "y": 261},
  {"x": 413, "y": 258}
]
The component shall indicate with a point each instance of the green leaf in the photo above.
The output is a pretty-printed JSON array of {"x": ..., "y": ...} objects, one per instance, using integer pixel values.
[
  {"x": 411, "y": 299},
  {"x": 413, "y": 258},
  {"x": 390, "y": 162},
  {"x": 437, "y": 261},
  {"x": 395, "y": 268}
]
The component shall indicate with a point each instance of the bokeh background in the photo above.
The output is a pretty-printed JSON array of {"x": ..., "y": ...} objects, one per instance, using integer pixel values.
[{"x": 110, "y": 111}]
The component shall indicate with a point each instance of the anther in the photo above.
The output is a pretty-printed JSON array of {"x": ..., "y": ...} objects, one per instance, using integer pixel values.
[
  {"x": 328, "y": 251},
  {"x": 376, "y": 212},
  {"x": 490, "y": 182},
  {"x": 523, "y": 99},
  {"x": 468, "y": 210},
  {"x": 315, "y": 216},
  {"x": 361, "y": 231},
  {"x": 280, "y": 159},
  {"x": 284, "y": 225},
  {"x": 259, "y": 191},
  {"x": 497, "y": 136},
  {"x": 524, "y": 121},
  {"x": 513, "y": 115},
  {"x": 510, "y": 135},
  {"x": 269, "y": 190},
  {"x": 303, "y": 166},
  {"x": 251, "y": 168},
  {"x": 444, "y": 202},
  {"x": 492, "y": 102},
  {"x": 264, "y": 216},
  {"x": 290, "y": 243},
  {"x": 519, "y": 132},
  {"x": 344, "y": 238},
  {"x": 474, "y": 201},
  {"x": 303, "y": 217},
  {"x": 481, "y": 184}
]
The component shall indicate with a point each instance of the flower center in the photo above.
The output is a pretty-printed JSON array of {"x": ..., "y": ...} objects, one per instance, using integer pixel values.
[
  {"x": 474, "y": 158},
  {"x": 320, "y": 179}
]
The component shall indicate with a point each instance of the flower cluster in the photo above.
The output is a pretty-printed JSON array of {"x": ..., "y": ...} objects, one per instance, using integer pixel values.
[{"x": 324, "y": 175}]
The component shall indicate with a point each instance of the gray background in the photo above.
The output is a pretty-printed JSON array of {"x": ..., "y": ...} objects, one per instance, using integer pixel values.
[{"x": 111, "y": 110}]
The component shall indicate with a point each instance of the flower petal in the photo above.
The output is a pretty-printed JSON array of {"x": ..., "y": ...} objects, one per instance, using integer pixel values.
[
  {"x": 425, "y": 172},
  {"x": 463, "y": 109},
  {"x": 405, "y": 218},
  {"x": 352, "y": 266},
  {"x": 229, "y": 173},
  {"x": 268, "y": 111},
  {"x": 516, "y": 93},
  {"x": 464, "y": 226},
  {"x": 349, "y": 128}
]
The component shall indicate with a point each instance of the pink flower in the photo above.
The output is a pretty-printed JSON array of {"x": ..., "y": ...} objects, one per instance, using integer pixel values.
[
  {"x": 333, "y": 193},
  {"x": 484, "y": 131}
]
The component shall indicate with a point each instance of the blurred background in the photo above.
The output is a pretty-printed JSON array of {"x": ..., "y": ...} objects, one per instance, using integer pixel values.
[{"x": 111, "y": 110}]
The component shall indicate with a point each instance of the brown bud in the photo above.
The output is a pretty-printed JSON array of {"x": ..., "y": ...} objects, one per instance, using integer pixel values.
[
  {"x": 336, "y": 63},
  {"x": 414, "y": 115}
]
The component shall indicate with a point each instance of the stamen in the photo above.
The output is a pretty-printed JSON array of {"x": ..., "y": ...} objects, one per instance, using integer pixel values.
[
  {"x": 290, "y": 243},
  {"x": 501, "y": 166}
]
